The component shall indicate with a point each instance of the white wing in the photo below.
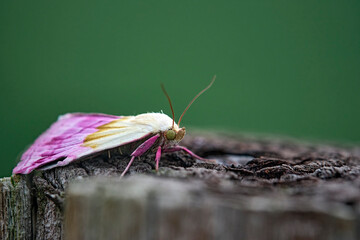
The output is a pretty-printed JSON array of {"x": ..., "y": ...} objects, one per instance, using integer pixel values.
[{"x": 127, "y": 129}]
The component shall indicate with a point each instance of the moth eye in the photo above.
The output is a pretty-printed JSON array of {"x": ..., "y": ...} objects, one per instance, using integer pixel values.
[{"x": 170, "y": 135}]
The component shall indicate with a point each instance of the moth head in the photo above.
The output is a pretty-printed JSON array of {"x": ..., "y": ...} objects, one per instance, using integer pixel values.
[{"x": 175, "y": 134}]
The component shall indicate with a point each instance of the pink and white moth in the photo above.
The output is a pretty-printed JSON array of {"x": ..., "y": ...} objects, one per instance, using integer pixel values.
[{"x": 80, "y": 135}]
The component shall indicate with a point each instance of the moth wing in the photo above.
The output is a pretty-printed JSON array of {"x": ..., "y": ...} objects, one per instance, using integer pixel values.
[{"x": 77, "y": 135}]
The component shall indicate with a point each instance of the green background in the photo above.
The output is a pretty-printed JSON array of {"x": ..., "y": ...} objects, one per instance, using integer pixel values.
[{"x": 283, "y": 67}]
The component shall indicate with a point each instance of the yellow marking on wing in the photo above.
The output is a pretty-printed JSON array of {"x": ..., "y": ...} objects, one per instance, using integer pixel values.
[
  {"x": 114, "y": 124},
  {"x": 101, "y": 133},
  {"x": 89, "y": 140},
  {"x": 97, "y": 135}
]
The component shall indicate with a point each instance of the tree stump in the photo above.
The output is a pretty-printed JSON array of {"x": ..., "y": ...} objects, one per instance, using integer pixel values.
[{"x": 251, "y": 189}]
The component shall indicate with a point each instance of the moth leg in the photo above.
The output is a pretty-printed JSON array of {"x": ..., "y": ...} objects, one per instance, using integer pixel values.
[
  {"x": 109, "y": 154},
  {"x": 157, "y": 158},
  {"x": 140, "y": 150},
  {"x": 120, "y": 151},
  {"x": 128, "y": 166},
  {"x": 181, "y": 148}
]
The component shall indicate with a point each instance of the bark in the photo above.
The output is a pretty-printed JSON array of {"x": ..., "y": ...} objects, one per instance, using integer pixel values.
[{"x": 252, "y": 188}]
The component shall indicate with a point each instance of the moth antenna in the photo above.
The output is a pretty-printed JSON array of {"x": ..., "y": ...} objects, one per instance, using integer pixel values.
[
  {"x": 172, "y": 110},
  {"x": 202, "y": 91}
]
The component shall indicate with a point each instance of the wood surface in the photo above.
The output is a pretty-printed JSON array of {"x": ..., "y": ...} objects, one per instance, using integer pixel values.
[{"x": 253, "y": 188}]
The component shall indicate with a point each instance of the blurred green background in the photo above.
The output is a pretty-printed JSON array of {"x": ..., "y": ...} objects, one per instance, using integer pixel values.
[{"x": 283, "y": 67}]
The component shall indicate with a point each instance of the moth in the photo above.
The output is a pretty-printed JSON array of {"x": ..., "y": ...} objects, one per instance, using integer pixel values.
[{"x": 80, "y": 135}]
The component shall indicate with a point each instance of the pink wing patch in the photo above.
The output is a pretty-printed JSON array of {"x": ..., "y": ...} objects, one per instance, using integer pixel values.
[{"x": 63, "y": 139}]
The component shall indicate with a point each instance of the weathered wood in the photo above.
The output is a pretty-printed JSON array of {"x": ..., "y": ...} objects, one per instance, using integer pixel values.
[
  {"x": 157, "y": 208},
  {"x": 271, "y": 183},
  {"x": 15, "y": 209}
]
